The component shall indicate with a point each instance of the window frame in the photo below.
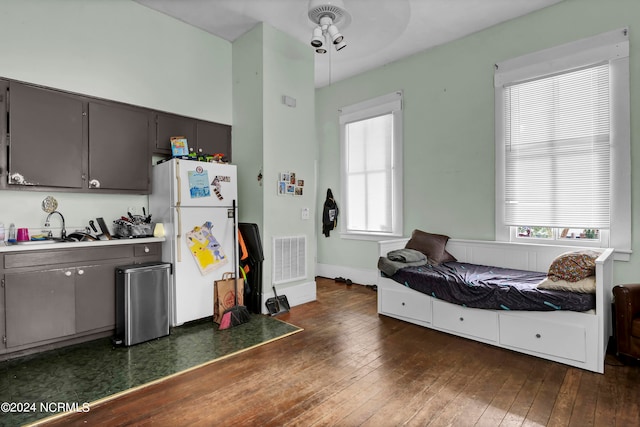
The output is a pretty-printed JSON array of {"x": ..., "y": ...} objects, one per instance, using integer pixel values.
[
  {"x": 612, "y": 47},
  {"x": 391, "y": 103}
]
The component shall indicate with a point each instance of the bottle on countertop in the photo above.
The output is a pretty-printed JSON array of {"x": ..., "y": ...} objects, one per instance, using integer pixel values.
[
  {"x": 12, "y": 233},
  {"x": 2, "y": 237}
]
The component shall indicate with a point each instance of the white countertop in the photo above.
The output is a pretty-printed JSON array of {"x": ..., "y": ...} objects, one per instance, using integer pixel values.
[{"x": 63, "y": 245}]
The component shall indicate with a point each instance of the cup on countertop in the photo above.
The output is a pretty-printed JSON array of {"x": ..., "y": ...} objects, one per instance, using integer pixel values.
[
  {"x": 23, "y": 235},
  {"x": 158, "y": 230}
]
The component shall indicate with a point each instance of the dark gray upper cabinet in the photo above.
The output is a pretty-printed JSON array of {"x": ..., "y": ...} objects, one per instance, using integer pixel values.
[
  {"x": 168, "y": 125},
  {"x": 118, "y": 147},
  {"x": 46, "y": 130},
  {"x": 72, "y": 142},
  {"x": 214, "y": 138},
  {"x": 203, "y": 137},
  {"x": 4, "y": 130}
]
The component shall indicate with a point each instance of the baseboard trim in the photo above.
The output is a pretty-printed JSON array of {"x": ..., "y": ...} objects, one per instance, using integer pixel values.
[
  {"x": 296, "y": 294},
  {"x": 356, "y": 275}
]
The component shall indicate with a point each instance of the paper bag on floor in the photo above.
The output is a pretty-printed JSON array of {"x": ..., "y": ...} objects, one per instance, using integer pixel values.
[{"x": 224, "y": 295}]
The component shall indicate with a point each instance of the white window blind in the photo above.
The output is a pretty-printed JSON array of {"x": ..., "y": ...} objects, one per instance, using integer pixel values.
[
  {"x": 371, "y": 140},
  {"x": 369, "y": 171},
  {"x": 557, "y": 150}
]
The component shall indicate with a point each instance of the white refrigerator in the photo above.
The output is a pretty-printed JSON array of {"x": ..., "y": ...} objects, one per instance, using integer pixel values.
[{"x": 194, "y": 201}]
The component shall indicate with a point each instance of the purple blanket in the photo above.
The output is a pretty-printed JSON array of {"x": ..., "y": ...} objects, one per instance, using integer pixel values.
[{"x": 486, "y": 287}]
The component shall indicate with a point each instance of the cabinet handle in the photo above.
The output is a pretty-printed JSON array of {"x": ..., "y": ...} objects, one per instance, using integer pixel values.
[
  {"x": 403, "y": 303},
  {"x": 17, "y": 178},
  {"x": 462, "y": 319},
  {"x": 199, "y": 150},
  {"x": 94, "y": 183},
  {"x": 146, "y": 249},
  {"x": 80, "y": 272},
  {"x": 67, "y": 273},
  {"x": 538, "y": 336}
]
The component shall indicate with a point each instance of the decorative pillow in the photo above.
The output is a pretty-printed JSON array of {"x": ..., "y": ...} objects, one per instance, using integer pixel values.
[
  {"x": 432, "y": 245},
  {"x": 585, "y": 286},
  {"x": 573, "y": 266}
]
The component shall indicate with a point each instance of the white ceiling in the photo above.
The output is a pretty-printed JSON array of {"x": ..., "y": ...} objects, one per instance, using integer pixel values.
[{"x": 380, "y": 32}]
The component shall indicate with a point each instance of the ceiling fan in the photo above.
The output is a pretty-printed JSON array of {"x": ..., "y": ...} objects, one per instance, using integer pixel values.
[{"x": 326, "y": 14}]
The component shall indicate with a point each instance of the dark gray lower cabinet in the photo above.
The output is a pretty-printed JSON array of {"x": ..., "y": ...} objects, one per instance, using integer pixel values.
[
  {"x": 95, "y": 297},
  {"x": 40, "y": 306},
  {"x": 53, "y": 296}
]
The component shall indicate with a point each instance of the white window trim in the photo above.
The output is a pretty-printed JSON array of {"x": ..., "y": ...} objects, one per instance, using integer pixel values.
[
  {"x": 385, "y": 104},
  {"x": 601, "y": 242},
  {"x": 612, "y": 46}
]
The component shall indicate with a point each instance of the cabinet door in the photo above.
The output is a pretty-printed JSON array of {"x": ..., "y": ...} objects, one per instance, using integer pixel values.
[
  {"x": 168, "y": 125},
  {"x": 96, "y": 297},
  {"x": 118, "y": 147},
  {"x": 40, "y": 305},
  {"x": 214, "y": 138},
  {"x": 4, "y": 130},
  {"x": 46, "y": 138}
]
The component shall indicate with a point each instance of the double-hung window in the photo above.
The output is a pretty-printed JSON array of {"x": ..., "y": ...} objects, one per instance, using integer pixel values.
[
  {"x": 371, "y": 167},
  {"x": 562, "y": 144}
]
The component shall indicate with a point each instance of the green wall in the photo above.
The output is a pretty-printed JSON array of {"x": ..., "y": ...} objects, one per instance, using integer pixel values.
[
  {"x": 248, "y": 128},
  {"x": 270, "y": 137},
  {"x": 449, "y": 124},
  {"x": 289, "y": 143}
]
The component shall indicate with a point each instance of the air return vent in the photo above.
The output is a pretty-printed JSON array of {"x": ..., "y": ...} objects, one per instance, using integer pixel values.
[{"x": 289, "y": 259}]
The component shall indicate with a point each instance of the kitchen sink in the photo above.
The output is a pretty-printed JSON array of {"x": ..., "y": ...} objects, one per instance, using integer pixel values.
[{"x": 38, "y": 242}]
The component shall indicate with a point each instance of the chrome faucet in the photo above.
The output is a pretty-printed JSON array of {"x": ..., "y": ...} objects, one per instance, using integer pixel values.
[{"x": 63, "y": 231}]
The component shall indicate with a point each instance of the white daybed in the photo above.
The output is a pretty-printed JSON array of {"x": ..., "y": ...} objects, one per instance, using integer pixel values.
[{"x": 574, "y": 338}]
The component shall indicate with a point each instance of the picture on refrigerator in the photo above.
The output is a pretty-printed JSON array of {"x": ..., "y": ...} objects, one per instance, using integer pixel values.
[
  {"x": 206, "y": 250},
  {"x": 199, "y": 183}
]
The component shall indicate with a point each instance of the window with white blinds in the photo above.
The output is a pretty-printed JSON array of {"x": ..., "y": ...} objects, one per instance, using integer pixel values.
[
  {"x": 371, "y": 167},
  {"x": 563, "y": 144},
  {"x": 557, "y": 150}
]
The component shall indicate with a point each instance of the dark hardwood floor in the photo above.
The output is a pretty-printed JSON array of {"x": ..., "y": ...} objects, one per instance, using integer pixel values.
[{"x": 351, "y": 367}]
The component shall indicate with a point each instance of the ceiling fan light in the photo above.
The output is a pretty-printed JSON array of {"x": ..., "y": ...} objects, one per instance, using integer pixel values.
[
  {"x": 340, "y": 45},
  {"x": 317, "y": 40},
  {"x": 336, "y": 37}
]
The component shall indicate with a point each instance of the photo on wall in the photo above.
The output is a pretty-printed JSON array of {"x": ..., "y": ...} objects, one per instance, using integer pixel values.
[{"x": 289, "y": 184}]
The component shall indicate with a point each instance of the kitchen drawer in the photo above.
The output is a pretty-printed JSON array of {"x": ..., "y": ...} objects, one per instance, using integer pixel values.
[
  {"x": 405, "y": 302},
  {"x": 556, "y": 339},
  {"x": 146, "y": 249},
  {"x": 482, "y": 324},
  {"x": 66, "y": 256}
]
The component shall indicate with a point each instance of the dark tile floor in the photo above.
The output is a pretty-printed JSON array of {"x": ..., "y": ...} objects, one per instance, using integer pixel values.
[{"x": 86, "y": 372}]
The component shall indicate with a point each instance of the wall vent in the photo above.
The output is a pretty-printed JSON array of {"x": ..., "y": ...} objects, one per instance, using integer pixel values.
[{"x": 289, "y": 259}]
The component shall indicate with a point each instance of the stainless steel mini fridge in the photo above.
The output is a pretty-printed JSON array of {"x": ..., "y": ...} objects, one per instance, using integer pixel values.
[{"x": 143, "y": 302}]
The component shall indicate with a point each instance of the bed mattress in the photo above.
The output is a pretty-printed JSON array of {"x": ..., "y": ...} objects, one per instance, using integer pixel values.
[{"x": 480, "y": 286}]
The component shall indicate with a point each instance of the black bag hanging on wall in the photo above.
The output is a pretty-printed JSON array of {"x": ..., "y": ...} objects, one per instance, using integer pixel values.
[{"x": 329, "y": 214}]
